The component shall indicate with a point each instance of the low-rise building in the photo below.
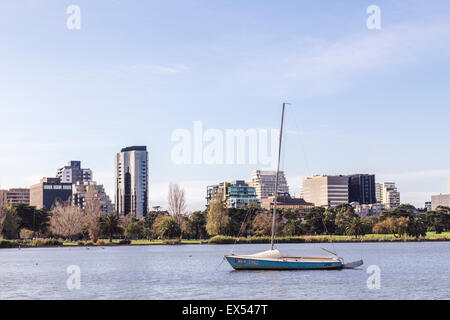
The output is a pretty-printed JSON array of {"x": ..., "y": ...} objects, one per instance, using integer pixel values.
[
  {"x": 286, "y": 202},
  {"x": 365, "y": 210},
  {"x": 48, "y": 191},
  {"x": 442, "y": 200},
  {"x": 15, "y": 196}
]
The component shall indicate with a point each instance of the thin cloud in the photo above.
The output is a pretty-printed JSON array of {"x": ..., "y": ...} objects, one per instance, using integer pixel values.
[{"x": 320, "y": 68}]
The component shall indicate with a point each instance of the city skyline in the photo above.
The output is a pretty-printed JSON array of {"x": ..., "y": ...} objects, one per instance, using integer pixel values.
[{"x": 363, "y": 100}]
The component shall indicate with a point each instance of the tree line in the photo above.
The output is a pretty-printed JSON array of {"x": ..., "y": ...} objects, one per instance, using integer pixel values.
[{"x": 74, "y": 223}]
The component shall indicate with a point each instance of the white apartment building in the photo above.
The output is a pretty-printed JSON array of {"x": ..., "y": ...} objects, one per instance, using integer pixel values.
[
  {"x": 81, "y": 190},
  {"x": 131, "y": 181},
  {"x": 387, "y": 194},
  {"x": 264, "y": 183},
  {"x": 440, "y": 200},
  {"x": 73, "y": 173},
  {"x": 325, "y": 190}
]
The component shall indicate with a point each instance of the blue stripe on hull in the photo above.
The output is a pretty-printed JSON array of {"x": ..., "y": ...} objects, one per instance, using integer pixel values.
[{"x": 256, "y": 264}]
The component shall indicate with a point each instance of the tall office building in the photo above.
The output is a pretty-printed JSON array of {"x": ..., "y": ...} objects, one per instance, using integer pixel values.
[
  {"x": 325, "y": 190},
  {"x": 48, "y": 191},
  {"x": 387, "y": 194},
  {"x": 361, "y": 188},
  {"x": 264, "y": 183},
  {"x": 73, "y": 173},
  {"x": 131, "y": 181}
]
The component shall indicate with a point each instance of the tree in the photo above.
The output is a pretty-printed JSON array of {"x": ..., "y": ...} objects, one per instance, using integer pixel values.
[
  {"x": 397, "y": 226},
  {"x": 150, "y": 219},
  {"x": 438, "y": 220},
  {"x": 170, "y": 229},
  {"x": 9, "y": 222},
  {"x": 417, "y": 227},
  {"x": 158, "y": 224},
  {"x": 345, "y": 214},
  {"x": 135, "y": 229},
  {"x": 33, "y": 219},
  {"x": 262, "y": 224},
  {"x": 294, "y": 228},
  {"x": 3, "y": 212},
  {"x": 217, "y": 218},
  {"x": 177, "y": 204},
  {"x": 93, "y": 211},
  {"x": 315, "y": 220},
  {"x": 110, "y": 225},
  {"x": 196, "y": 225},
  {"x": 355, "y": 227},
  {"x": 67, "y": 220}
]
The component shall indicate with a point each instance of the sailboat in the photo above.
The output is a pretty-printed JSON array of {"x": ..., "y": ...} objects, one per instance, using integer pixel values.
[{"x": 273, "y": 259}]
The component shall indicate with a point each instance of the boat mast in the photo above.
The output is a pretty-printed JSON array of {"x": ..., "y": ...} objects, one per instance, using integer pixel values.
[{"x": 278, "y": 175}]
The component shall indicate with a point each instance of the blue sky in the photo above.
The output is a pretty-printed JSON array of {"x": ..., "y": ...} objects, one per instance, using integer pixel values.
[{"x": 363, "y": 101}]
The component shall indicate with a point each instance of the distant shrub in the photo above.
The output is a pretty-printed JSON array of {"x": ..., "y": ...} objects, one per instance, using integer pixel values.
[
  {"x": 80, "y": 243},
  {"x": 8, "y": 244},
  {"x": 100, "y": 243},
  {"x": 172, "y": 241},
  {"x": 45, "y": 243},
  {"x": 125, "y": 241},
  {"x": 90, "y": 244},
  {"x": 26, "y": 233},
  {"x": 222, "y": 240}
]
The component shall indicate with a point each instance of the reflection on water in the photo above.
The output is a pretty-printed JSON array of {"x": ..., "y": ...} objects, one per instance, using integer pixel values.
[{"x": 408, "y": 271}]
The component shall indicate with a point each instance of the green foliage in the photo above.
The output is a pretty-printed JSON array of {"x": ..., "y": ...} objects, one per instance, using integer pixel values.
[
  {"x": 11, "y": 223},
  {"x": 355, "y": 227},
  {"x": 439, "y": 220},
  {"x": 135, "y": 230},
  {"x": 33, "y": 219},
  {"x": 294, "y": 228},
  {"x": 5, "y": 244},
  {"x": 170, "y": 229},
  {"x": 417, "y": 227},
  {"x": 315, "y": 221},
  {"x": 217, "y": 218},
  {"x": 110, "y": 226},
  {"x": 196, "y": 225}
]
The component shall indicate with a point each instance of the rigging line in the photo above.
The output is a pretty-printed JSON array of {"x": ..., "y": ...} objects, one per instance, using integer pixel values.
[
  {"x": 331, "y": 237},
  {"x": 240, "y": 230}
]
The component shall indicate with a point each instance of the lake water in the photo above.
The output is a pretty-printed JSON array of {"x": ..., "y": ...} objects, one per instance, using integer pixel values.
[{"x": 415, "y": 270}]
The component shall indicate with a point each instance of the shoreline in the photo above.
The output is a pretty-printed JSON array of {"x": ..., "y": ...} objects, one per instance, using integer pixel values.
[{"x": 223, "y": 240}]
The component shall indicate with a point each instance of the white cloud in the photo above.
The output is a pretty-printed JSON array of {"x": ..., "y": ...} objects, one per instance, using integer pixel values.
[
  {"x": 168, "y": 70},
  {"x": 318, "y": 67}
]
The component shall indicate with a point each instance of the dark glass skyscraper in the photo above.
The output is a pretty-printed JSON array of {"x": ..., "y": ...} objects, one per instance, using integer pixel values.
[
  {"x": 361, "y": 188},
  {"x": 131, "y": 175}
]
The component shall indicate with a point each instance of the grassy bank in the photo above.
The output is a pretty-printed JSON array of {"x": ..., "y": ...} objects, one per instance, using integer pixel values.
[{"x": 431, "y": 236}]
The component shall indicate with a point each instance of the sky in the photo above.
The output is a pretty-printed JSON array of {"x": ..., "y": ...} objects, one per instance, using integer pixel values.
[{"x": 362, "y": 100}]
